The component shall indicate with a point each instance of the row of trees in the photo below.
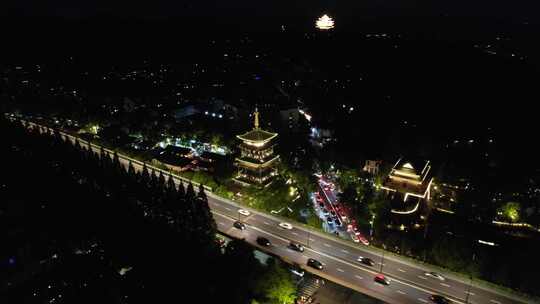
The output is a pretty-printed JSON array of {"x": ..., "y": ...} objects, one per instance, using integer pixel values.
[{"x": 162, "y": 231}]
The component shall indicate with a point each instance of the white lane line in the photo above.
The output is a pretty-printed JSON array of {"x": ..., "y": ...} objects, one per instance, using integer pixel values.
[
  {"x": 305, "y": 257},
  {"x": 416, "y": 287},
  {"x": 401, "y": 292},
  {"x": 344, "y": 251},
  {"x": 294, "y": 233},
  {"x": 228, "y": 209},
  {"x": 327, "y": 245},
  {"x": 495, "y": 301},
  {"x": 340, "y": 270},
  {"x": 221, "y": 223},
  {"x": 358, "y": 277},
  {"x": 313, "y": 240},
  {"x": 445, "y": 285},
  {"x": 401, "y": 270},
  {"x": 267, "y": 223},
  {"x": 470, "y": 293},
  {"x": 422, "y": 300},
  {"x": 423, "y": 278}
]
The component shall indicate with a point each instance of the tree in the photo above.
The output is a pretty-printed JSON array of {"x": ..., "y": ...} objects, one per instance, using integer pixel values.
[
  {"x": 276, "y": 284},
  {"x": 511, "y": 211},
  {"x": 190, "y": 192},
  {"x": 181, "y": 190},
  {"x": 145, "y": 176}
]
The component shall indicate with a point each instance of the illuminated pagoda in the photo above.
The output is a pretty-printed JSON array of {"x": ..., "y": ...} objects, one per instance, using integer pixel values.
[
  {"x": 324, "y": 23},
  {"x": 411, "y": 182},
  {"x": 257, "y": 161}
]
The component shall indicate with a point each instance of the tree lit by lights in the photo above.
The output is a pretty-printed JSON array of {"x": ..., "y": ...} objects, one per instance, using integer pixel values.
[{"x": 324, "y": 23}]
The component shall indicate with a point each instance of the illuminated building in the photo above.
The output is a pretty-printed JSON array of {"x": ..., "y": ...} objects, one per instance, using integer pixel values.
[
  {"x": 257, "y": 161},
  {"x": 324, "y": 23},
  {"x": 411, "y": 182}
]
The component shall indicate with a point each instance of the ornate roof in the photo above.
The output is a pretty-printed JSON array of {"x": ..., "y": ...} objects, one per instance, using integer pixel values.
[{"x": 257, "y": 136}]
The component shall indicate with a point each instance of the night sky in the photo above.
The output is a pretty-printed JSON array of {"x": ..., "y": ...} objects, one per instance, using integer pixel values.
[{"x": 522, "y": 10}]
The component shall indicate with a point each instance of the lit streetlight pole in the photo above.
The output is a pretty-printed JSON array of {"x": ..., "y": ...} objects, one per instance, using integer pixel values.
[
  {"x": 382, "y": 259},
  {"x": 470, "y": 283}
]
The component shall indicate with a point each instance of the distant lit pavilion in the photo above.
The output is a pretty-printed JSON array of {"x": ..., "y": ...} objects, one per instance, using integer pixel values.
[
  {"x": 324, "y": 23},
  {"x": 411, "y": 181},
  {"x": 257, "y": 161}
]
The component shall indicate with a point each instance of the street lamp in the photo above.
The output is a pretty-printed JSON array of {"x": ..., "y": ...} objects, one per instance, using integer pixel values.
[
  {"x": 470, "y": 282},
  {"x": 382, "y": 259}
]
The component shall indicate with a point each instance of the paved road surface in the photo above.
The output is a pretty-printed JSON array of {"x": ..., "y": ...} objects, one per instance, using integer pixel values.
[{"x": 408, "y": 281}]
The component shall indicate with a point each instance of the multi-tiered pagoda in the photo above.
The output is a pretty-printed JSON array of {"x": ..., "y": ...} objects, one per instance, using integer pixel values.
[{"x": 257, "y": 161}]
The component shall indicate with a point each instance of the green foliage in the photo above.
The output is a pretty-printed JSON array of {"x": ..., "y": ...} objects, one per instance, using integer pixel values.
[
  {"x": 511, "y": 211},
  {"x": 276, "y": 284}
]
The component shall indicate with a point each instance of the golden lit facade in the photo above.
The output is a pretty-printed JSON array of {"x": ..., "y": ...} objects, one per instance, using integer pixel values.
[
  {"x": 411, "y": 180},
  {"x": 324, "y": 23},
  {"x": 257, "y": 161}
]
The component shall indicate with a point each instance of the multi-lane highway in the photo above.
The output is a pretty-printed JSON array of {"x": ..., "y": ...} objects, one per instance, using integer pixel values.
[{"x": 409, "y": 284}]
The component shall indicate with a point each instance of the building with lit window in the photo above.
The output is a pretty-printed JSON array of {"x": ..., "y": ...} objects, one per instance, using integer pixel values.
[
  {"x": 409, "y": 183},
  {"x": 257, "y": 162}
]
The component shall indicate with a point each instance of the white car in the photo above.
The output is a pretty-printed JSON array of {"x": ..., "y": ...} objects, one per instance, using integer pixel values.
[
  {"x": 434, "y": 275},
  {"x": 285, "y": 226},
  {"x": 244, "y": 212}
]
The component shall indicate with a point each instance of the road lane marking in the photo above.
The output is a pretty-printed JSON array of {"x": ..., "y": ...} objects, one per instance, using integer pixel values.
[
  {"x": 313, "y": 240},
  {"x": 358, "y": 277},
  {"x": 294, "y": 233},
  {"x": 340, "y": 270},
  {"x": 423, "y": 278},
  {"x": 344, "y": 251},
  {"x": 495, "y": 301},
  {"x": 401, "y": 292},
  {"x": 267, "y": 223},
  {"x": 228, "y": 209},
  {"x": 470, "y": 293},
  {"x": 401, "y": 270},
  {"x": 327, "y": 245},
  {"x": 221, "y": 223},
  {"x": 445, "y": 285},
  {"x": 416, "y": 287},
  {"x": 422, "y": 300}
]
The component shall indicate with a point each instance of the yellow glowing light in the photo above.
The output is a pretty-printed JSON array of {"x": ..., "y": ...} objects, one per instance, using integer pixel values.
[{"x": 324, "y": 23}]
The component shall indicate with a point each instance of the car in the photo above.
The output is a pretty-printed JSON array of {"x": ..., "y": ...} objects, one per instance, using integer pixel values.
[
  {"x": 239, "y": 225},
  {"x": 315, "y": 264},
  {"x": 366, "y": 261},
  {"x": 329, "y": 221},
  {"x": 381, "y": 279},
  {"x": 321, "y": 205},
  {"x": 297, "y": 270},
  {"x": 332, "y": 212},
  {"x": 296, "y": 247},
  {"x": 435, "y": 275},
  {"x": 325, "y": 211},
  {"x": 342, "y": 215},
  {"x": 363, "y": 240},
  {"x": 355, "y": 238},
  {"x": 439, "y": 299},
  {"x": 263, "y": 241},
  {"x": 285, "y": 226},
  {"x": 244, "y": 212},
  {"x": 338, "y": 222}
]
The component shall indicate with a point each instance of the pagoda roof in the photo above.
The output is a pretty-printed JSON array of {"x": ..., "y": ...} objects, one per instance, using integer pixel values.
[{"x": 257, "y": 136}]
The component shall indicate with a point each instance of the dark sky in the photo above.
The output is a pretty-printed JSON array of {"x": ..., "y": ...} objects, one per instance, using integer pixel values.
[{"x": 506, "y": 9}]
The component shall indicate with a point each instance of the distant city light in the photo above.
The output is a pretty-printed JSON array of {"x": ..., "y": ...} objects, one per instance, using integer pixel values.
[{"x": 324, "y": 23}]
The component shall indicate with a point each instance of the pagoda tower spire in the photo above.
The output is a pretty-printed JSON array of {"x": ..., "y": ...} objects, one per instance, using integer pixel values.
[{"x": 256, "y": 123}]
